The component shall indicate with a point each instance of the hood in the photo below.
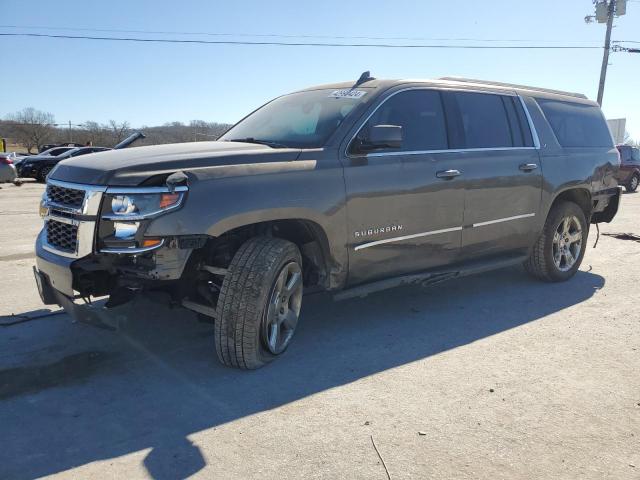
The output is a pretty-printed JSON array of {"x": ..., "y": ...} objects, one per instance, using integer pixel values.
[{"x": 132, "y": 166}]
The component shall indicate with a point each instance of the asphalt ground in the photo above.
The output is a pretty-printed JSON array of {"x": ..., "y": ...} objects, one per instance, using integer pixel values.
[{"x": 493, "y": 376}]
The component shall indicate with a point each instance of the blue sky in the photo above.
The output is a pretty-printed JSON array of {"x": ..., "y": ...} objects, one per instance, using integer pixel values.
[{"x": 149, "y": 84}]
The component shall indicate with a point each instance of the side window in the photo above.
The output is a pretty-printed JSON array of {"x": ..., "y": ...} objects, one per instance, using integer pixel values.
[
  {"x": 576, "y": 124},
  {"x": 625, "y": 154},
  {"x": 420, "y": 114},
  {"x": 485, "y": 123}
]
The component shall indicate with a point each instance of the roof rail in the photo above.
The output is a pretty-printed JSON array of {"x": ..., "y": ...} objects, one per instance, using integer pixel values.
[{"x": 512, "y": 85}]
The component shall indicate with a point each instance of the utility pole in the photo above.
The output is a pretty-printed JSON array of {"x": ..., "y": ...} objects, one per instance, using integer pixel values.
[
  {"x": 607, "y": 46},
  {"x": 70, "y": 139}
]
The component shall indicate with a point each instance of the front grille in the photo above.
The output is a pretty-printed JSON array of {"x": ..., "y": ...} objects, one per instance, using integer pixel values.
[
  {"x": 62, "y": 236},
  {"x": 68, "y": 197}
]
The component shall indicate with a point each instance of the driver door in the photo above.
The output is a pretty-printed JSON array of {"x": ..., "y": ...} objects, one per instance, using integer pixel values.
[{"x": 405, "y": 204}]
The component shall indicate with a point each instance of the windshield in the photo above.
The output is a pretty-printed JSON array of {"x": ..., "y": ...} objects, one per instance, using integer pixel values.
[{"x": 299, "y": 120}]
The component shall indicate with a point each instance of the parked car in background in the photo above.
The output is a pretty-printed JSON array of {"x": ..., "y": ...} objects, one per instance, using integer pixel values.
[
  {"x": 52, "y": 152},
  {"x": 39, "y": 166},
  {"x": 49, "y": 146},
  {"x": 629, "y": 172},
  {"x": 7, "y": 168}
]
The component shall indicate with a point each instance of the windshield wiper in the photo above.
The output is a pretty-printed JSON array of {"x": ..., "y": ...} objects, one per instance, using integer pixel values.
[{"x": 258, "y": 141}]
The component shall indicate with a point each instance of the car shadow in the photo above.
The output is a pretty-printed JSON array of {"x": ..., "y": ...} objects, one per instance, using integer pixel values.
[{"x": 157, "y": 381}]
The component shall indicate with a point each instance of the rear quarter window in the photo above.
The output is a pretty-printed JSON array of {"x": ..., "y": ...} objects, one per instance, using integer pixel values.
[{"x": 576, "y": 124}]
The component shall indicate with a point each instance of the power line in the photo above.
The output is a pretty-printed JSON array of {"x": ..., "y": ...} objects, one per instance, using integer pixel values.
[
  {"x": 299, "y": 44},
  {"x": 272, "y": 35}
]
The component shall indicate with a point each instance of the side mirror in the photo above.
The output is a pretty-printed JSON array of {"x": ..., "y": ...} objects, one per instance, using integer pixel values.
[{"x": 383, "y": 136}]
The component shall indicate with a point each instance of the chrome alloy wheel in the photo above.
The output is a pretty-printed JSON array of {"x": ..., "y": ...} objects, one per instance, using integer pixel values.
[
  {"x": 567, "y": 243},
  {"x": 281, "y": 315},
  {"x": 634, "y": 183}
]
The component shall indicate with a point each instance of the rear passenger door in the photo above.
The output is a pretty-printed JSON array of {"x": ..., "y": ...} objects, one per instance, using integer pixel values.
[{"x": 501, "y": 171}]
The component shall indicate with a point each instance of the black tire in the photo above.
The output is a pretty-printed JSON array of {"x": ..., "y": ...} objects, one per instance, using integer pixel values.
[
  {"x": 632, "y": 186},
  {"x": 245, "y": 296},
  {"x": 540, "y": 263},
  {"x": 42, "y": 174}
]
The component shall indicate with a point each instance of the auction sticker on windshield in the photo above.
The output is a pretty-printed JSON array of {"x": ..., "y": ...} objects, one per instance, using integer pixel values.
[{"x": 347, "y": 93}]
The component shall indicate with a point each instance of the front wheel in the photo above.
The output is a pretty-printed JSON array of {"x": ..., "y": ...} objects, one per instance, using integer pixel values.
[
  {"x": 633, "y": 183},
  {"x": 558, "y": 252},
  {"x": 259, "y": 303},
  {"x": 42, "y": 175}
]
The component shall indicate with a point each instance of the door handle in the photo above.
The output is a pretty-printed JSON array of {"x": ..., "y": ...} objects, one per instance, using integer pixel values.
[
  {"x": 527, "y": 167},
  {"x": 447, "y": 174}
]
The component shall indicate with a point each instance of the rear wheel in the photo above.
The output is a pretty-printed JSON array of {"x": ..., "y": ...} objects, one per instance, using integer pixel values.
[
  {"x": 259, "y": 303},
  {"x": 558, "y": 252},
  {"x": 633, "y": 183}
]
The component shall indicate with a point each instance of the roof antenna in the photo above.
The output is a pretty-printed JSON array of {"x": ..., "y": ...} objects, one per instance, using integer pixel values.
[{"x": 365, "y": 77}]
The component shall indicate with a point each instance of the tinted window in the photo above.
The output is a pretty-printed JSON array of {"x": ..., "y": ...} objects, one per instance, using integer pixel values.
[
  {"x": 576, "y": 124},
  {"x": 419, "y": 113},
  {"x": 625, "y": 154},
  {"x": 484, "y": 121},
  {"x": 635, "y": 155}
]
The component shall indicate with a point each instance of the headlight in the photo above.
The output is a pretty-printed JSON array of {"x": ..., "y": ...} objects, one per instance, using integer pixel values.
[
  {"x": 44, "y": 209},
  {"x": 137, "y": 206}
]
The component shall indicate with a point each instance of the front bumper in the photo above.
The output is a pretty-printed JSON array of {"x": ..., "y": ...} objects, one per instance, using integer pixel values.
[
  {"x": 93, "y": 315},
  {"x": 55, "y": 268},
  {"x": 54, "y": 279}
]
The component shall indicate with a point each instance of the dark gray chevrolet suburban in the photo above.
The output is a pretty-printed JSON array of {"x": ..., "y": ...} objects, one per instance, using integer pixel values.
[{"x": 352, "y": 187}]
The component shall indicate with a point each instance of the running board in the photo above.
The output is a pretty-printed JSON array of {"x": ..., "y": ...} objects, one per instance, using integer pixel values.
[
  {"x": 199, "y": 308},
  {"x": 427, "y": 278}
]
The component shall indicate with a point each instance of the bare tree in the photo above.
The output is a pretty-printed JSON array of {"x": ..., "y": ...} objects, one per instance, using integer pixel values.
[
  {"x": 32, "y": 127},
  {"x": 97, "y": 134},
  {"x": 119, "y": 130}
]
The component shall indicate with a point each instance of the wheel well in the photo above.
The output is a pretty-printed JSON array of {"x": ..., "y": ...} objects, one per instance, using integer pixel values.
[
  {"x": 579, "y": 196},
  {"x": 308, "y": 236}
]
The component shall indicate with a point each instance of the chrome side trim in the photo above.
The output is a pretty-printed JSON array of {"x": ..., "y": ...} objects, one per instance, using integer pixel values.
[
  {"x": 453, "y": 150},
  {"x": 131, "y": 251},
  {"x": 407, "y": 237},
  {"x": 532, "y": 127},
  {"x": 506, "y": 219},
  {"x": 444, "y": 230}
]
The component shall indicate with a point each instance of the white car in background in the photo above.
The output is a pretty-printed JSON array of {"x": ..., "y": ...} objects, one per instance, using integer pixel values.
[{"x": 7, "y": 168}]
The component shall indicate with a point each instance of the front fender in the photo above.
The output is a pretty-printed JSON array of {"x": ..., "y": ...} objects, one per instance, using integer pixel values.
[{"x": 217, "y": 205}]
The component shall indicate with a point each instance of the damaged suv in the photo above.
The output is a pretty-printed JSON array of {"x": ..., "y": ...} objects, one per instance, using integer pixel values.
[{"x": 352, "y": 187}]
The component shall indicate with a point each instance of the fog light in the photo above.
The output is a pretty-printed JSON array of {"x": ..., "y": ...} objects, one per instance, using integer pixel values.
[{"x": 126, "y": 230}]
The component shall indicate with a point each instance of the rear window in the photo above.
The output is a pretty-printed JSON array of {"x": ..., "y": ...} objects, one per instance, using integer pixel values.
[{"x": 576, "y": 124}]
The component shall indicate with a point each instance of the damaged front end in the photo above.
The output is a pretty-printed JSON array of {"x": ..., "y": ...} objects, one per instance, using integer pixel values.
[{"x": 93, "y": 245}]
